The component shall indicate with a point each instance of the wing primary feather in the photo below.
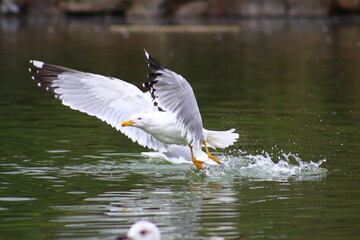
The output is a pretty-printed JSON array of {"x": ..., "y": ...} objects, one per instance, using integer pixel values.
[
  {"x": 172, "y": 93},
  {"x": 152, "y": 63},
  {"x": 152, "y": 76},
  {"x": 149, "y": 84},
  {"x": 110, "y": 99}
]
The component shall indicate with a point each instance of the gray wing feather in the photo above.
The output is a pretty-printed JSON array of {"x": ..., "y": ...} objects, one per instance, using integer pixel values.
[
  {"x": 109, "y": 99},
  {"x": 174, "y": 94}
]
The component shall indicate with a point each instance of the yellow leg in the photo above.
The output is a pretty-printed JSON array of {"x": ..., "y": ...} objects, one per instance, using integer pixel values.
[
  {"x": 209, "y": 154},
  {"x": 198, "y": 163}
]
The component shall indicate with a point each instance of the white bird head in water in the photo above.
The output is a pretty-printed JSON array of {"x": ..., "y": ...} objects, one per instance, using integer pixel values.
[{"x": 142, "y": 230}]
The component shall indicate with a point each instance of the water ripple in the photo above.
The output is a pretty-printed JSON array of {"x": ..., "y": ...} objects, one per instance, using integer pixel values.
[{"x": 178, "y": 213}]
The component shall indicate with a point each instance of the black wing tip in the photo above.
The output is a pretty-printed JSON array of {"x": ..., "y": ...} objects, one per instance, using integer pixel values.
[
  {"x": 152, "y": 80},
  {"x": 43, "y": 74},
  {"x": 153, "y": 76},
  {"x": 149, "y": 84},
  {"x": 39, "y": 66},
  {"x": 152, "y": 63}
]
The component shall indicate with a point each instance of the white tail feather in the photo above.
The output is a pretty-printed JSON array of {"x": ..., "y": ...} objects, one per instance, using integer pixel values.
[{"x": 220, "y": 139}]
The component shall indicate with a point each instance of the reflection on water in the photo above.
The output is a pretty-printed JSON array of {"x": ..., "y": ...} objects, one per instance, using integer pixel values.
[
  {"x": 177, "y": 211},
  {"x": 14, "y": 199},
  {"x": 182, "y": 202},
  {"x": 290, "y": 88}
]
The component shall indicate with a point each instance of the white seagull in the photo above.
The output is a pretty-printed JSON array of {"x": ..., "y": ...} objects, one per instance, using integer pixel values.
[
  {"x": 164, "y": 118},
  {"x": 145, "y": 230},
  {"x": 142, "y": 230}
]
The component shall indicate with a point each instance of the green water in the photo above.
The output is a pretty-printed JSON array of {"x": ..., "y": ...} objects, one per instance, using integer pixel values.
[{"x": 290, "y": 88}]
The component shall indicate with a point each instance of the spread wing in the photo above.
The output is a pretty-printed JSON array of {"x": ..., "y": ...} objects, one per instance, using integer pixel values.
[
  {"x": 109, "y": 99},
  {"x": 172, "y": 93}
]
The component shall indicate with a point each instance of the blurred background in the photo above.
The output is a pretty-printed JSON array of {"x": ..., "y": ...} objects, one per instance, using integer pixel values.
[{"x": 177, "y": 9}]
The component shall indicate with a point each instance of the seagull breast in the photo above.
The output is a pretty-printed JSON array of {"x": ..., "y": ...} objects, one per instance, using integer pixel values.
[{"x": 162, "y": 127}]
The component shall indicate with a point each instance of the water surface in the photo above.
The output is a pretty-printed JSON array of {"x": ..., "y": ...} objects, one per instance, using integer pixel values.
[{"x": 290, "y": 88}]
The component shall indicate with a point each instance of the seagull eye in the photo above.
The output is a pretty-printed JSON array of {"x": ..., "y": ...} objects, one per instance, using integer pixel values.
[
  {"x": 143, "y": 232},
  {"x": 139, "y": 118}
]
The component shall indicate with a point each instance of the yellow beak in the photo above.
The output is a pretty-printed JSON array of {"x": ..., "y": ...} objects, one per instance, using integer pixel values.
[{"x": 127, "y": 123}]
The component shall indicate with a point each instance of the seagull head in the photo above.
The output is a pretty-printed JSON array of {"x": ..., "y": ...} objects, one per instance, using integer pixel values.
[
  {"x": 138, "y": 120},
  {"x": 142, "y": 230}
]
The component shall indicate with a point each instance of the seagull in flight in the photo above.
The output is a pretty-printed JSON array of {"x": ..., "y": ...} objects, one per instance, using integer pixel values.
[{"x": 164, "y": 118}]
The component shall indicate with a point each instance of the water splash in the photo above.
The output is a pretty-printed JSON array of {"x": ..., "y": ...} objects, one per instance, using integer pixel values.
[
  {"x": 266, "y": 167},
  {"x": 278, "y": 166}
]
